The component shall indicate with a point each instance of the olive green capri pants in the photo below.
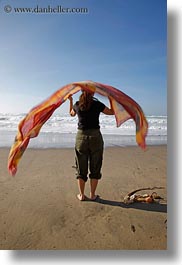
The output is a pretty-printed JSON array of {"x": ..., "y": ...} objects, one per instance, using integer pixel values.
[{"x": 89, "y": 153}]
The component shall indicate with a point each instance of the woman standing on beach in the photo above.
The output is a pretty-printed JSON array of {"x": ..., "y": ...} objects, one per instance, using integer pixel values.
[{"x": 89, "y": 142}]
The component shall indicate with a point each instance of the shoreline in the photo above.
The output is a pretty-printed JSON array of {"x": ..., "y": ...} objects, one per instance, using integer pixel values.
[
  {"x": 39, "y": 208},
  {"x": 106, "y": 147},
  {"x": 67, "y": 140}
]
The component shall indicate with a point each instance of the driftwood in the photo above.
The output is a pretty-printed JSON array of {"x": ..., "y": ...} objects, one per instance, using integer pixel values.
[{"x": 131, "y": 197}]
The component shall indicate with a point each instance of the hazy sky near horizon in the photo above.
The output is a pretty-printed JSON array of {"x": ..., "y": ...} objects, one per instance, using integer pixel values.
[{"x": 120, "y": 43}]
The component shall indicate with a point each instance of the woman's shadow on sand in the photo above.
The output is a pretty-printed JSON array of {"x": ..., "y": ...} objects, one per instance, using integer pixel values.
[{"x": 153, "y": 207}]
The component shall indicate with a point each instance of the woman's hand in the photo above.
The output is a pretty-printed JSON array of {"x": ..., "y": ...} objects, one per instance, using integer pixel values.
[
  {"x": 70, "y": 98},
  {"x": 72, "y": 112}
]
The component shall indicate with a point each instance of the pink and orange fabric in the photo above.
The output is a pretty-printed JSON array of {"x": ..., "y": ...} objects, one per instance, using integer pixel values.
[{"x": 124, "y": 108}]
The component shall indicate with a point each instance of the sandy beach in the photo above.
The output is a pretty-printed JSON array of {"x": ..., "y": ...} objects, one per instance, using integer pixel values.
[{"x": 39, "y": 209}]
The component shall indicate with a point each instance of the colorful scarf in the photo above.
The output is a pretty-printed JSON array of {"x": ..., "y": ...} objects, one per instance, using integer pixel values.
[{"x": 124, "y": 108}]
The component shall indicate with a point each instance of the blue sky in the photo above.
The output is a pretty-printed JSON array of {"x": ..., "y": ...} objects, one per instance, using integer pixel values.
[{"x": 118, "y": 42}]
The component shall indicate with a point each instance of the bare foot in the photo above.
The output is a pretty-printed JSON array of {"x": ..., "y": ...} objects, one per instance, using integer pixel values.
[
  {"x": 81, "y": 197},
  {"x": 94, "y": 197}
]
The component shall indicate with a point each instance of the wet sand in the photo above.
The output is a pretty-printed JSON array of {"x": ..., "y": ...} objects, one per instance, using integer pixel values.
[{"x": 39, "y": 208}]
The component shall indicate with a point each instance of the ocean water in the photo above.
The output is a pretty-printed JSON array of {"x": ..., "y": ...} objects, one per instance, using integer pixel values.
[{"x": 60, "y": 131}]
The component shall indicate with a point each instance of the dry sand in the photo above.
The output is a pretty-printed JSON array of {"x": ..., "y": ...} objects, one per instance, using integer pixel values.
[{"x": 39, "y": 208}]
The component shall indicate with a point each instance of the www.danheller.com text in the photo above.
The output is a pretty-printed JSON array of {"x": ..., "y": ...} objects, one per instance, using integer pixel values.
[{"x": 48, "y": 9}]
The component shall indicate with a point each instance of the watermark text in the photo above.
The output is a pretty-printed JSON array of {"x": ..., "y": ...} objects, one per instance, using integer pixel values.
[{"x": 46, "y": 10}]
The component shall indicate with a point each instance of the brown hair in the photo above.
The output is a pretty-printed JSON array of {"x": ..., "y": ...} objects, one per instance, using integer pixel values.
[{"x": 85, "y": 100}]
